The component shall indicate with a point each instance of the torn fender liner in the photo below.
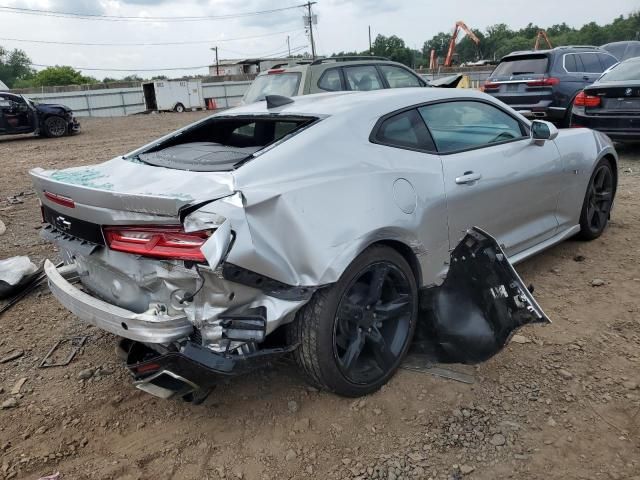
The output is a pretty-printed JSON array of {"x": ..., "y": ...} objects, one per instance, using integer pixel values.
[{"x": 481, "y": 302}]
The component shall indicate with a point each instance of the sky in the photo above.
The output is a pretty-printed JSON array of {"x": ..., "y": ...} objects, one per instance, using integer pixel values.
[{"x": 342, "y": 26}]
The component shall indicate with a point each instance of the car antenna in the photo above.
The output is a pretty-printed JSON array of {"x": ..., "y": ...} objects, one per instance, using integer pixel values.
[{"x": 275, "y": 101}]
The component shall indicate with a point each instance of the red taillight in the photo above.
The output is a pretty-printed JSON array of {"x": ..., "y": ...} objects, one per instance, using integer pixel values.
[
  {"x": 159, "y": 242},
  {"x": 60, "y": 200},
  {"x": 490, "y": 86},
  {"x": 584, "y": 100},
  {"x": 544, "y": 82},
  {"x": 275, "y": 70}
]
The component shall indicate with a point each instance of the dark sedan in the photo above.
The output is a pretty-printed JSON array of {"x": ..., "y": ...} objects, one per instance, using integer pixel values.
[
  {"x": 19, "y": 114},
  {"x": 612, "y": 104}
]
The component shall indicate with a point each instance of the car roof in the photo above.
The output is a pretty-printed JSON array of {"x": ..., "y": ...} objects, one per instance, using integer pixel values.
[
  {"x": 371, "y": 103},
  {"x": 330, "y": 63},
  {"x": 561, "y": 49}
]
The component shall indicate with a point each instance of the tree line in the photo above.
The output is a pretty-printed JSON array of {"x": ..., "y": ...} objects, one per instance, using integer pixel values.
[{"x": 16, "y": 69}]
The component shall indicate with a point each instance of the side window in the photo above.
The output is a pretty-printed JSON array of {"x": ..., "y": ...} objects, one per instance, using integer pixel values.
[
  {"x": 248, "y": 130},
  {"x": 459, "y": 125},
  {"x": 399, "y": 77},
  {"x": 362, "y": 78},
  {"x": 570, "y": 63},
  {"x": 283, "y": 128},
  {"x": 4, "y": 103},
  {"x": 330, "y": 80},
  {"x": 406, "y": 130},
  {"x": 591, "y": 63},
  {"x": 607, "y": 61}
]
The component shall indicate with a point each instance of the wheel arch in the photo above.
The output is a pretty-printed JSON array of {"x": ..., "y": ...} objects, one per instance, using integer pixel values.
[{"x": 407, "y": 253}]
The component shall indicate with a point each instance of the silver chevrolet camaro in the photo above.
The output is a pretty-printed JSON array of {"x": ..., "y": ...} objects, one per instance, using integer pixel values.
[{"x": 341, "y": 229}]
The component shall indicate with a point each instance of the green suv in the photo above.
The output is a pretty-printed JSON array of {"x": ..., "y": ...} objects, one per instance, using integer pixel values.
[{"x": 331, "y": 75}]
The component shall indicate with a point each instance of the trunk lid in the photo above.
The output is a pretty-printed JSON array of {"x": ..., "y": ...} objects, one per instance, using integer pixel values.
[
  {"x": 130, "y": 186},
  {"x": 517, "y": 80},
  {"x": 615, "y": 98}
]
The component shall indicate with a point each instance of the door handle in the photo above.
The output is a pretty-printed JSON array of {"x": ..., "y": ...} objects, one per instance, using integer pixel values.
[{"x": 468, "y": 178}]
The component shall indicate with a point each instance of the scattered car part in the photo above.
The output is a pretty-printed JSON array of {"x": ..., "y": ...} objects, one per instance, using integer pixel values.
[
  {"x": 15, "y": 274},
  {"x": 28, "y": 287},
  {"x": 211, "y": 264},
  {"x": 75, "y": 344},
  {"x": 422, "y": 363},
  {"x": 15, "y": 354}
]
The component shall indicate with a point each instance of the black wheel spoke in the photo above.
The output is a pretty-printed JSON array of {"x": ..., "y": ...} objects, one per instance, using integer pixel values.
[
  {"x": 377, "y": 282},
  {"x": 392, "y": 309},
  {"x": 350, "y": 311},
  {"x": 383, "y": 356},
  {"x": 353, "y": 351}
]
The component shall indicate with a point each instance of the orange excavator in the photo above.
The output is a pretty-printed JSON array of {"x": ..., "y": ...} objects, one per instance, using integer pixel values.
[
  {"x": 542, "y": 34},
  {"x": 460, "y": 25}
]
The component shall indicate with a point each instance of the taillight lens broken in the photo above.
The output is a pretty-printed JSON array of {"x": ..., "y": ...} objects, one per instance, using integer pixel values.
[
  {"x": 584, "y": 100},
  {"x": 158, "y": 242}
]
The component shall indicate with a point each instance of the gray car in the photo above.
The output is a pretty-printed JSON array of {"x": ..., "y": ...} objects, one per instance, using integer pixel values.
[
  {"x": 331, "y": 75},
  {"x": 342, "y": 229}
]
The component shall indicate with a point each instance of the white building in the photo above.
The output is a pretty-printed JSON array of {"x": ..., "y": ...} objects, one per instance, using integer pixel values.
[{"x": 247, "y": 66}]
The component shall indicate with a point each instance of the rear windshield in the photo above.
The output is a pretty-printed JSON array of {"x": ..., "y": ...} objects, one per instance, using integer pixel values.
[
  {"x": 623, "y": 72},
  {"x": 273, "y": 84},
  {"x": 525, "y": 65},
  {"x": 221, "y": 143}
]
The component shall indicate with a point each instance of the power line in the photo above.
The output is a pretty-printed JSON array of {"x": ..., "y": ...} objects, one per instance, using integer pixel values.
[
  {"x": 121, "y": 18},
  {"x": 146, "y": 44},
  {"x": 95, "y": 69},
  {"x": 123, "y": 69}
]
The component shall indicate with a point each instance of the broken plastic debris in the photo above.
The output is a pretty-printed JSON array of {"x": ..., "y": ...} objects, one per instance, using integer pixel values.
[
  {"x": 13, "y": 272},
  {"x": 55, "y": 476}
]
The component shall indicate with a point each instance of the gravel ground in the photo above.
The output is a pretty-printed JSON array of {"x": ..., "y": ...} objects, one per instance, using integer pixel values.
[{"x": 561, "y": 401}]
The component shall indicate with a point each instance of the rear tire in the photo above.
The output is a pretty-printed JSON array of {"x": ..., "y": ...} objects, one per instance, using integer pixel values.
[
  {"x": 598, "y": 201},
  {"x": 354, "y": 334},
  {"x": 55, "y": 127},
  {"x": 179, "y": 108}
]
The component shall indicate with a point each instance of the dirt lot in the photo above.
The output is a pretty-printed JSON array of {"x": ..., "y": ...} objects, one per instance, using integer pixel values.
[{"x": 564, "y": 404}]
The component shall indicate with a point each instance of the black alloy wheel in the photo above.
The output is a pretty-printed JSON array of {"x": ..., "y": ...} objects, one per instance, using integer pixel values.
[
  {"x": 353, "y": 334},
  {"x": 598, "y": 201},
  {"x": 55, "y": 126},
  {"x": 372, "y": 323}
]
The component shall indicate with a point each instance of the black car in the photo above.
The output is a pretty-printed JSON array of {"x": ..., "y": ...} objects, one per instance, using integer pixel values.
[
  {"x": 623, "y": 50},
  {"x": 543, "y": 83},
  {"x": 612, "y": 104},
  {"x": 18, "y": 114}
]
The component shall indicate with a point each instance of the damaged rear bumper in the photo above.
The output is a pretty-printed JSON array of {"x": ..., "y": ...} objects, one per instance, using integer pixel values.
[{"x": 152, "y": 326}]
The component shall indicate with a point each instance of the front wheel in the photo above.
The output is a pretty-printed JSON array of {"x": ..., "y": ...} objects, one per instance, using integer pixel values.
[
  {"x": 598, "y": 201},
  {"x": 179, "y": 108},
  {"x": 55, "y": 127},
  {"x": 353, "y": 334}
]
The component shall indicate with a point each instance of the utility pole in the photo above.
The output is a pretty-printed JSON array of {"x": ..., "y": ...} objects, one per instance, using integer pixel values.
[
  {"x": 370, "y": 49},
  {"x": 310, "y": 19},
  {"x": 288, "y": 46},
  {"x": 217, "y": 63}
]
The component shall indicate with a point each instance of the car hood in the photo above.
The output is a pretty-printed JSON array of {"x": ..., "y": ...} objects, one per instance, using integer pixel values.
[
  {"x": 129, "y": 185},
  {"x": 51, "y": 106}
]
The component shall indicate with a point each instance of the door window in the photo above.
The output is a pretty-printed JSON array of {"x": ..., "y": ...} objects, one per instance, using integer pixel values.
[
  {"x": 607, "y": 61},
  {"x": 362, "y": 78},
  {"x": 404, "y": 130},
  {"x": 399, "y": 77},
  {"x": 591, "y": 63},
  {"x": 330, "y": 80},
  {"x": 572, "y": 63},
  {"x": 460, "y": 125}
]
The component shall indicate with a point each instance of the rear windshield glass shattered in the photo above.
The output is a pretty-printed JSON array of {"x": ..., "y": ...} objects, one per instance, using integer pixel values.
[
  {"x": 524, "y": 65},
  {"x": 221, "y": 143}
]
